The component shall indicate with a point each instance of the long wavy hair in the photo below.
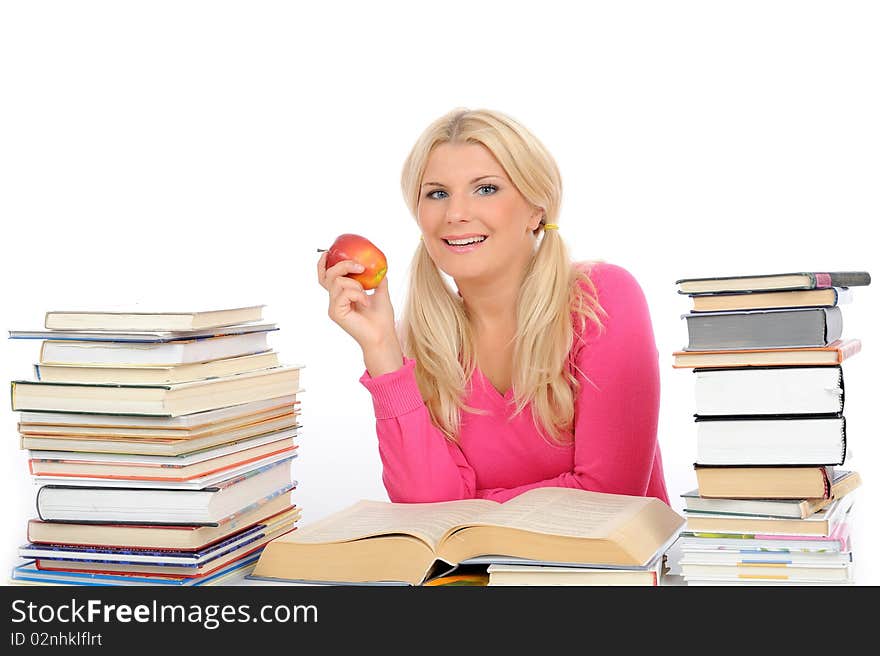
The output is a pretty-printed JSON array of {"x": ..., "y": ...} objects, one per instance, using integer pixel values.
[{"x": 556, "y": 295}]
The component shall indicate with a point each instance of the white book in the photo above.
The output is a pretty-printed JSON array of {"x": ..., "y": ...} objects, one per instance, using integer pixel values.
[
  {"x": 141, "y": 335},
  {"x": 776, "y": 441},
  {"x": 164, "y": 447},
  {"x": 157, "y": 400},
  {"x": 744, "y": 573},
  {"x": 165, "y": 461},
  {"x": 515, "y": 575},
  {"x": 28, "y": 574},
  {"x": 154, "y": 354},
  {"x": 769, "y": 391},
  {"x": 201, "y": 483},
  {"x": 763, "y": 582},
  {"x": 133, "y": 319},
  {"x": 162, "y": 557},
  {"x": 204, "y": 506},
  {"x": 166, "y": 375},
  {"x": 193, "y": 421},
  {"x": 743, "y": 557}
]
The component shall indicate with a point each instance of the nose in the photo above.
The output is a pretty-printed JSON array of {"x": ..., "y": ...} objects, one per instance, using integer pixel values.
[{"x": 457, "y": 209}]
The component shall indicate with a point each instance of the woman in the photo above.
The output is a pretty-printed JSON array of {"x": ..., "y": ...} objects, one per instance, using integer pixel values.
[{"x": 534, "y": 371}]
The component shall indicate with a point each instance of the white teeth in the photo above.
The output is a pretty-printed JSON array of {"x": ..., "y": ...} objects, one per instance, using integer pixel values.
[{"x": 462, "y": 242}]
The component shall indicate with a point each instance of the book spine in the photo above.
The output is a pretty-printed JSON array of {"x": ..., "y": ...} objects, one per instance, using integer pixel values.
[
  {"x": 842, "y": 444},
  {"x": 821, "y": 280},
  {"x": 849, "y": 349},
  {"x": 826, "y": 483},
  {"x": 833, "y": 323},
  {"x": 849, "y": 278},
  {"x": 841, "y": 387},
  {"x": 37, "y": 503}
]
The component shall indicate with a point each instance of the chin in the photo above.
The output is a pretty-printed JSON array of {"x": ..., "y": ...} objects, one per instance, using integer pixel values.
[{"x": 471, "y": 272}]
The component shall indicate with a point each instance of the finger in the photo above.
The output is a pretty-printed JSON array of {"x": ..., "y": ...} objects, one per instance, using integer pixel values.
[
  {"x": 343, "y": 299},
  {"x": 322, "y": 268},
  {"x": 344, "y": 267},
  {"x": 382, "y": 287},
  {"x": 347, "y": 283},
  {"x": 341, "y": 269}
]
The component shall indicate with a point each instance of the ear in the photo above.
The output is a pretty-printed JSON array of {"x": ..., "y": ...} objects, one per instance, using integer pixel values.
[{"x": 536, "y": 218}]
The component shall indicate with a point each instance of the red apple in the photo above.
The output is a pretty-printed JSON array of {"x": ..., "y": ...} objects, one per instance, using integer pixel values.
[{"x": 360, "y": 249}]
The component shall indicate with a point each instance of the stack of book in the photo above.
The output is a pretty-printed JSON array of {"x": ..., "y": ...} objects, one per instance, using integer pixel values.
[
  {"x": 773, "y": 502},
  {"x": 160, "y": 445}
]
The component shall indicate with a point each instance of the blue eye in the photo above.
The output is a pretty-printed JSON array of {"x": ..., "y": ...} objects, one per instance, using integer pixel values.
[{"x": 492, "y": 189}]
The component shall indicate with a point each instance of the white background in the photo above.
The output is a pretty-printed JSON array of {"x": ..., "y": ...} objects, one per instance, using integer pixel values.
[{"x": 190, "y": 155}]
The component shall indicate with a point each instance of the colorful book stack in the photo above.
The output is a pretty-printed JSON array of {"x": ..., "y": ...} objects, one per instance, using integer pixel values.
[
  {"x": 772, "y": 503},
  {"x": 160, "y": 444}
]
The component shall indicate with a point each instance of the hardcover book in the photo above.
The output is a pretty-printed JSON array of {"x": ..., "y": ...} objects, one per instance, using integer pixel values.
[
  {"x": 769, "y": 391},
  {"x": 28, "y": 574},
  {"x": 837, "y": 543},
  {"x": 143, "y": 336},
  {"x": 714, "y": 574},
  {"x": 767, "y": 482},
  {"x": 844, "y": 482},
  {"x": 771, "y": 441},
  {"x": 162, "y": 557},
  {"x": 792, "y": 327},
  {"x": 269, "y": 430},
  {"x": 764, "y": 300},
  {"x": 156, "y": 400},
  {"x": 184, "y": 425},
  {"x": 147, "y": 375},
  {"x": 834, "y": 353},
  {"x": 98, "y": 565},
  {"x": 142, "y": 321},
  {"x": 152, "y": 354},
  {"x": 773, "y": 281},
  {"x": 181, "y": 537},
  {"x": 822, "y": 522},
  {"x": 128, "y": 467},
  {"x": 501, "y": 574},
  {"x": 169, "y": 506}
]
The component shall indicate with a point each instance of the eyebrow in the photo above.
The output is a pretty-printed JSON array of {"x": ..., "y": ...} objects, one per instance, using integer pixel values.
[{"x": 482, "y": 177}]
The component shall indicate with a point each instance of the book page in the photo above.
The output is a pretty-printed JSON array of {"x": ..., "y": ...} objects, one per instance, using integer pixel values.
[
  {"x": 428, "y": 521},
  {"x": 564, "y": 511}
]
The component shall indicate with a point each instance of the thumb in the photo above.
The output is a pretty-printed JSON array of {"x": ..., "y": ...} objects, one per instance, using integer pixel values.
[{"x": 382, "y": 288}]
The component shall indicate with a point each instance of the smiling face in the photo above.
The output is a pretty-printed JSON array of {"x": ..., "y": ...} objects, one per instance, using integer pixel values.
[{"x": 466, "y": 194}]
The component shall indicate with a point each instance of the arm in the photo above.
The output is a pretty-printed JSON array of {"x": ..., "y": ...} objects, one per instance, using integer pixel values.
[
  {"x": 418, "y": 463},
  {"x": 615, "y": 429}
]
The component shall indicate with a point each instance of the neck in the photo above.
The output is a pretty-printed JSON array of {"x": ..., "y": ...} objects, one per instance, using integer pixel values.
[{"x": 492, "y": 306}]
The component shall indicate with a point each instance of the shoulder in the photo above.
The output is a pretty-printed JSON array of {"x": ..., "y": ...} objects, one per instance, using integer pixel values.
[
  {"x": 623, "y": 310},
  {"x": 610, "y": 281}
]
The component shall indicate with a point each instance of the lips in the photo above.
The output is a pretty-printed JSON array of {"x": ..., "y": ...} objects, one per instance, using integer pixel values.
[
  {"x": 466, "y": 248},
  {"x": 470, "y": 238}
]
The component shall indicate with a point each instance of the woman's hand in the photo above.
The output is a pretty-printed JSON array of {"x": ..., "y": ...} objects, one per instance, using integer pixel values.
[{"x": 367, "y": 318}]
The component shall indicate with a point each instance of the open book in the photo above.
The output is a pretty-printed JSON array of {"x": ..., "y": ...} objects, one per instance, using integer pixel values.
[{"x": 375, "y": 541}]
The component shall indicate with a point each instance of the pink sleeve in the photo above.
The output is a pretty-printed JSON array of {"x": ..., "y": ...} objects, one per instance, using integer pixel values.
[
  {"x": 616, "y": 416},
  {"x": 418, "y": 463}
]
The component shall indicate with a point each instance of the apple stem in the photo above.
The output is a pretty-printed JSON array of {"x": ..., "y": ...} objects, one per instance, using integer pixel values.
[{"x": 322, "y": 250}]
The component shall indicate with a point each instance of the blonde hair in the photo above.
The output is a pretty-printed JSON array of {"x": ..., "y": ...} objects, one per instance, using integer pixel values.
[{"x": 434, "y": 328}]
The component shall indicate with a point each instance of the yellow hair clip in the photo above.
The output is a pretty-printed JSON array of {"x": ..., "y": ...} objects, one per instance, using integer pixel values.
[{"x": 551, "y": 226}]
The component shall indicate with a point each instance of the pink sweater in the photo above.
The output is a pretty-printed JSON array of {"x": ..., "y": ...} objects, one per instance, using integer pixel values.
[{"x": 615, "y": 422}]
